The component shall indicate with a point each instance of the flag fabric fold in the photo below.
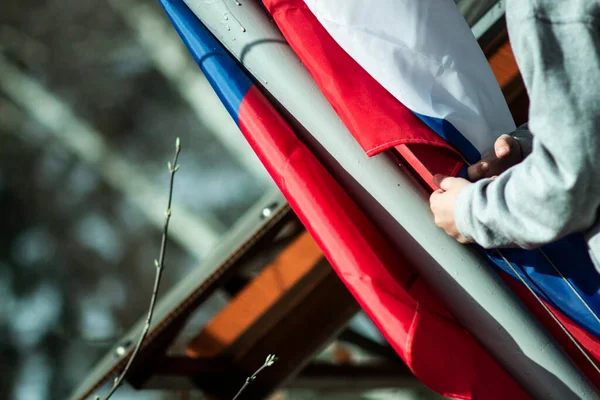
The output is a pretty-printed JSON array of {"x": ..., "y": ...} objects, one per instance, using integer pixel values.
[
  {"x": 422, "y": 52},
  {"x": 375, "y": 118}
]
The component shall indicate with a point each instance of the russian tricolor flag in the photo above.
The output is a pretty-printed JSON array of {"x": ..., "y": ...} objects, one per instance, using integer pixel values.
[
  {"x": 408, "y": 79},
  {"x": 423, "y": 53}
]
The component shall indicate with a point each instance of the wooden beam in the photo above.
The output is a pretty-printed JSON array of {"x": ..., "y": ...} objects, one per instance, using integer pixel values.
[
  {"x": 153, "y": 356},
  {"x": 213, "y": 375},
  {"x": 503, "y": 64},
  {"x": 254, "y": 233},
  {"x": 256, "y": 299},
  {"x": 295, "y": 307},
  {"x": 316, "y": 376},
  {"x": 376, "y": 349},
  {"x": 506, "y": 70},
  {"x": 315, "y": 316},
  {"x": 363, "y": 377}
]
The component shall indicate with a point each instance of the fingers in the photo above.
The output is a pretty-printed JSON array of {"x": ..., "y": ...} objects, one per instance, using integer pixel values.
[
  {"x": 437, "y": 180},
  {"x": 506, "y": 154},
  {"x": 478, "y": 170},
  {"x": 443, "y": 182},
  {"x": 434, "y": 196},
  {"x": 504, "y": 145}
]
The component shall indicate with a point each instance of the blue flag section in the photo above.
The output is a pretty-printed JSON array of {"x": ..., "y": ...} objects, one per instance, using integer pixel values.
[
  {"x": 562, "y": 274},
  {"x": 229, "y": 82}
]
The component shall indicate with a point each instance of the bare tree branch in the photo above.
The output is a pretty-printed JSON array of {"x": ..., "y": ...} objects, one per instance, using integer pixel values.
[
  {"x": 268, "y": 362},
  {"x": 159, "y": 264}
]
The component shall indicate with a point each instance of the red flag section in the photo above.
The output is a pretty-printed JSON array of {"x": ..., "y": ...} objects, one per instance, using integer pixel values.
[
  {"x": 375, "y": 118},
  {"x": 379, "y": 122}
]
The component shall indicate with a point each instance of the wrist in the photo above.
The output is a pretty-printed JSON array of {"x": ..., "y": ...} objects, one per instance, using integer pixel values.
[
  {"x": 524, "y": 139},
  {"x": 519, "y": 145},
  {"x": 462, "y": 212}
]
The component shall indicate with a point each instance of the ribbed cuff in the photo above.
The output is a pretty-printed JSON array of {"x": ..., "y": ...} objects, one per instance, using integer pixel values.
[{"x": 524, "y": 137}]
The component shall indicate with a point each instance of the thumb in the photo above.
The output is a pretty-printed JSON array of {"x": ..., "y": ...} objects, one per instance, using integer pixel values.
[
  {"x": 443, "y": 182},
  {"x": 503, "y": 146}
]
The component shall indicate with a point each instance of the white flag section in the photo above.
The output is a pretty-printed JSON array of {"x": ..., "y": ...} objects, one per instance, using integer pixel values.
[{"x": 424, "y": 54}]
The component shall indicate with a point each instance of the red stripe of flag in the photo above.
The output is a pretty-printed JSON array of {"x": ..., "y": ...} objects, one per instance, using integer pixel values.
[{"x": 440, "y": 352}]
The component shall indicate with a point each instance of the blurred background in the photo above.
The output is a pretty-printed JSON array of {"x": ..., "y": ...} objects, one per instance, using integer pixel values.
[{"x": 93, "y": 94}]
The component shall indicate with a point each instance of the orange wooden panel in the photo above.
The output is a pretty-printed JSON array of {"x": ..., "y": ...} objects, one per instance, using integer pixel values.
[
  {"x": 506, "y": 70},
  {"x": 504, "y": 65},
  {"x": 294, "y": 263}
]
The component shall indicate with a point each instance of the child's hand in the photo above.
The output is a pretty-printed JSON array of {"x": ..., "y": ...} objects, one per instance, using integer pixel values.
[
  {"x": 442, "y": 203},
  {"x": 507, "y": 153}
]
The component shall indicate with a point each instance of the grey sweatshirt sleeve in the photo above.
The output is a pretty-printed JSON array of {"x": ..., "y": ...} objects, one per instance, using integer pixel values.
[{"x": 556, "y": 189}]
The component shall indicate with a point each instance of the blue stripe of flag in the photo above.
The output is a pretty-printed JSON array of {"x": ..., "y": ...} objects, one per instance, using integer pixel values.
[
  {"x": 225, "y": 76},
  {"x": 579, "y": 281},
  {"x": 450, "y": 134}
]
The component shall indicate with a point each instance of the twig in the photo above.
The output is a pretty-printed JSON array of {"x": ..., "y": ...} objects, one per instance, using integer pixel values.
[
  {"x": 159, "y": 264},
  {"x": 268, "y": 362}
]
